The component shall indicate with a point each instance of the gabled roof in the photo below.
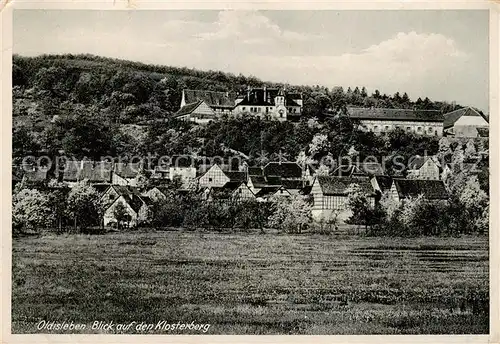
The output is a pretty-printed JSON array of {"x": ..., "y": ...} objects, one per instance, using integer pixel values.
[
  {"x": 334, "y": 185},
  {"x": 266, "y": 97},
  {"x": 127, "y": 170},
  {"x": 211, "y": 98},
  {"x": 283, "y": 169},
  {"x": 263, "y": 181},
  {"x": 418, "y": 161},
  {"x": 185, "y": 160},
  {"x": 125, "y": 190},
  {"x": 359, "y": 169},
  {"x": 269, "y": 191},
  {"x": 451, "y": 117},
  {"x": 237, "y": 176},
  {"x": 135, "y": 202},
  {"x": 255, "y": 171},
  {"x": 429, "y": 189},
  {"x": 232, "y": 185},
  {"x": 292, "y": 184},
  {"x": 94, "y": 171},
  {"x": 395, "y": 114},
  {"x": 188, "y": 108},
  {"x": 38, "y": 175},
  {"x": 384, "y": 182}
]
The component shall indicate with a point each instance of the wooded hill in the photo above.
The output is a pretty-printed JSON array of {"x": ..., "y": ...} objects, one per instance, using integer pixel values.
[
  {"x": 130, "y": 92},
  {"x": 84, "y": 105}
]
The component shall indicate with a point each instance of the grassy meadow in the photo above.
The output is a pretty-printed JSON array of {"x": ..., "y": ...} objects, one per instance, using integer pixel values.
[{"x": 253, "y": 283}]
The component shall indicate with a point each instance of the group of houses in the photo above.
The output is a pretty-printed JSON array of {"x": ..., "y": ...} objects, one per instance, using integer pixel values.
[
  {"x": 225, "y": 182},
  {"x": 201, "y": 106}
]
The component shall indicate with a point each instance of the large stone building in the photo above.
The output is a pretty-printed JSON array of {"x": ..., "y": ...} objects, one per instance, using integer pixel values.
[
  {"x": 465, "y": 122},
  {"x": 379, "y": 120},
  {"x": 203, "y": 106},
  {"x": 273, "y": 103}
]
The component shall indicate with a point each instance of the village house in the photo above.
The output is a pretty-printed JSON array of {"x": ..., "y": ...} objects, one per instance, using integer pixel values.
[
  {"x": 258, "y": 182},
  {"x": 97, "y": 173},
  {"x": 283, "y": 169},
  {"x": 465, "y": 122},
  {"x": 381, "y": 185},
  {"x": 380, "y": 120},
  {"x": 215, "y": 176},
  {"x": 157, "y": 193},
  {"x": 430, "y": 190},
  {"x": 127, "y": 173},
  {"x": 423, "y": 167},
  {"x": 233, "y": 191},
  {"x": 29, "y": 175},
  {"x": 359, "y": 169},
  {"x": 331, "y": 195},
  {"x": 136, "y": 206},
  {"x": 267, "y": 193}
]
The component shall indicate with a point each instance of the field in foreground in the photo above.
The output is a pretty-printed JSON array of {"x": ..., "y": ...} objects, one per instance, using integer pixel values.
[{"x": 252, "y": 284}]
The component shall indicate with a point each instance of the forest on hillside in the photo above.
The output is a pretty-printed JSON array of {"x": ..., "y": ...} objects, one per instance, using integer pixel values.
[
  {"x": 88, "y": 106},
  {"x": 129, "y": 92}
]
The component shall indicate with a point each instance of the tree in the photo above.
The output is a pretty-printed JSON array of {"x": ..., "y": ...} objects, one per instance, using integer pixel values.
[
  {"x": 470, "y": 149},
  {"x": 58, "y": 202},
  {"x": 319, "y": 146},
  {"x": 408, "y": 209},
  {"x": 84, "y": 205},
  {"x": 475, "y": 201},
  {"x": 363, "y": 213},
  {"x": 290, "y": 214},
  {"x": 405, "y": 100},
  {"x": 120, "y": 213},
  {"x": 458, "y": 157},
  {"x": 444, "y": 149},
  {"x": 31, "y": 211}
]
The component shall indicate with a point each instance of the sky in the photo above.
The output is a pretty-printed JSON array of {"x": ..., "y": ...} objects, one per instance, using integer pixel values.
[{"x": 440, "y": 54}]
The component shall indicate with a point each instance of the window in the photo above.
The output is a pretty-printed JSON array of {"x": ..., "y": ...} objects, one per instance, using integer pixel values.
[
  {"x": 375, "y": 128},
  {"x": 209, "y": 179},
  {"x": 267, "y": 109},
  {"x": 419, "y": 129},
  {"x": 386, "y": 127},
  {"x": 408, "y": 128},
  {"x": 243, "y": 108}
]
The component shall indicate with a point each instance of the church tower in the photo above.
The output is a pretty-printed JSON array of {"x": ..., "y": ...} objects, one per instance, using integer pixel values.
[{"x": 279, "y": 102}]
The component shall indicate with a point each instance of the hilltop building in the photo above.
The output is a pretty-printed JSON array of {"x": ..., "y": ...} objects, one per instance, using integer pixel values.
[
  {"x": 466, "y": 122},
  {"x": 380, "y": 120},
  {"x": 202, "y": 106}
]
